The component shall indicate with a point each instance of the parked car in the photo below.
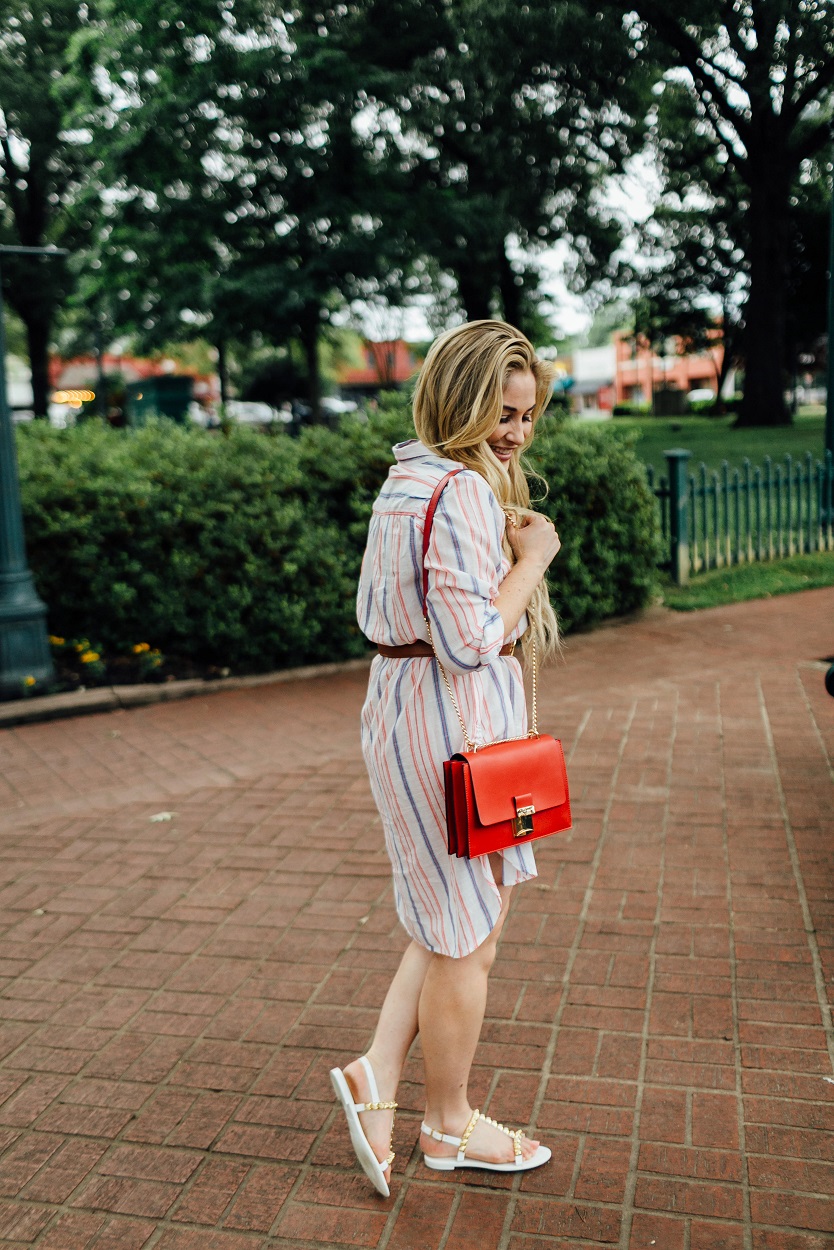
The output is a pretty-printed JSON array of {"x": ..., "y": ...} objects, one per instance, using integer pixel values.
[
  {"x": 243, "y": 411},
  {"x": 702, "y": 395},
  {"x": 331, "y": 404},
  {"x": 250, "y": 412}
]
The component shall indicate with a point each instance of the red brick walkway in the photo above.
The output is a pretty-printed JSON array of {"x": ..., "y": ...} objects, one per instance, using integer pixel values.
[{"x": 175, "y": 990}]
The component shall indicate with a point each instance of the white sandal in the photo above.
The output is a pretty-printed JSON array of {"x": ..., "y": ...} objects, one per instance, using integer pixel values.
[
  {"x": 448, "y": 1164},
  {"x": 373, "y": 1168}
]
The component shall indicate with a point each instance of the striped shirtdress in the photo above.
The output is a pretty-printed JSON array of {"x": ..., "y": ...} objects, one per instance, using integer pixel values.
[{"x": 409, "y": 726}]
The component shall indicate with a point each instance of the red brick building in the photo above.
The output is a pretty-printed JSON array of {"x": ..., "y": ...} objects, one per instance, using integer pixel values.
[
  {"x": 386, "y": 365},
  {"x": 82, "y": 371},
  {"x": 640, "y": 373}
]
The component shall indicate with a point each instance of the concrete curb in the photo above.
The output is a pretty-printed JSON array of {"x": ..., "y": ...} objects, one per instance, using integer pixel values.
[{"x": 120, "y": 698}]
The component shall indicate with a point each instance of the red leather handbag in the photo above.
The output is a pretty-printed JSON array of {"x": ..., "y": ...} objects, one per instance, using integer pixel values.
[{"x": 505, "y": 793}]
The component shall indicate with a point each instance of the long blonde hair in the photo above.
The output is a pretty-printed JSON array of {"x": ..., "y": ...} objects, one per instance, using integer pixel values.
[{"x": 458, "y": 403}]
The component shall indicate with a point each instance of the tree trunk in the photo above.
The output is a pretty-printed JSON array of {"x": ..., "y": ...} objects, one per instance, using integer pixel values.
[
  {"x": 37, "y": 338},
  {"x": 511, "y": 293},
  {"x": 309, "y": 329},
  {"x": 101, "y": 381},
  {"x": 765, "y": 314},
  {"x": 475, "y": 287},
  {"x": 727, "y": 353},
  {"x": 222, "y": 370}
]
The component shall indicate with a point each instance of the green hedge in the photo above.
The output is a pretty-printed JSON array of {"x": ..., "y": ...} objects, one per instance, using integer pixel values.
[
  {"x": 244, "y": 550},
  {"x": 606, "y": 516}
]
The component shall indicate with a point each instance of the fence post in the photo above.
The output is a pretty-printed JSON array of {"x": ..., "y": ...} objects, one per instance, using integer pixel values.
[{"x": 678, "y": 515}]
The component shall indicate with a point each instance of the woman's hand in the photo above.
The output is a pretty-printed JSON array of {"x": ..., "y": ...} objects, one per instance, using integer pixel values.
[{"x": 534, "y": 541}]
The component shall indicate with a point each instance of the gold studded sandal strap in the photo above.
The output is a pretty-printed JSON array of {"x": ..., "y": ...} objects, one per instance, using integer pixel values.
[
  {"x": 515, "y": 1134},
  {"x": 377, "y": 1106},
  {"x": 467, "y": 1133}
]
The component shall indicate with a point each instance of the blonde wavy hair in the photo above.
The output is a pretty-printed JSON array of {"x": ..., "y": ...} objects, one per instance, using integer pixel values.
[{"x": 458, "y": 403}]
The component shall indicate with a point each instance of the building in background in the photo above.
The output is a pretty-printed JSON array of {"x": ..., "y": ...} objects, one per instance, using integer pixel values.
[
  {"x": 666, "y": 381},
  {"x": 621, "y": 372},
  {"x": 75, "y": 384},
  {"x": 594, "y": 373},
  {"x": 387, "y": 365}
]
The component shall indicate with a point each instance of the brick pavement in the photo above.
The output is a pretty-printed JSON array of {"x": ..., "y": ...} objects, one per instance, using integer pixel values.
[{"x": 175, "y": 990}]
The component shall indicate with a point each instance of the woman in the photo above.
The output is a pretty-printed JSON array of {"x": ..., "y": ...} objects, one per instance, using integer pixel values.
[{"x": 478, "y": 397}]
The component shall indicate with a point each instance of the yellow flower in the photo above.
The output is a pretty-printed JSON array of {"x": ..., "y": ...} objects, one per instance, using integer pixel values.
[
  {"x": 56, "y": 642},
  {"x": 140, "y": 647},
  {"x": 90, "y": 657},
  {"x": 29, "y": 681}
]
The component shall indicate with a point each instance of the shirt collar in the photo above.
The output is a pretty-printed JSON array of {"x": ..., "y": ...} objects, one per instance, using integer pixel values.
[{"x": 413, "y": 449}]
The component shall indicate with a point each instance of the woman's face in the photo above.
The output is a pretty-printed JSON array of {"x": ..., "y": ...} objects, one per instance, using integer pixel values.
[{"x": 516, "y": 424}]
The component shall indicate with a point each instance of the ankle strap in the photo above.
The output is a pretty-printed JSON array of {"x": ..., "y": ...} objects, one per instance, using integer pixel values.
[
  {"x": 369, "y": 1073},
  {"x": 432, "y": 1132},
  {"x": 460, "y": 1142},
  {"x": 376, "y": 1103}
]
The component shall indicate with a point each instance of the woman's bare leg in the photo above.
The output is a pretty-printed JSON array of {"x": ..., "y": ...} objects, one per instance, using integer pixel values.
[
  {"x": 451, "y": 1015},
  {"x": 395, "y": 1031}
]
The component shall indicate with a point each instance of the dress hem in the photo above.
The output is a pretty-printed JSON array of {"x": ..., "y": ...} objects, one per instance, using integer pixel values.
[{"x": 406, "y": 920}]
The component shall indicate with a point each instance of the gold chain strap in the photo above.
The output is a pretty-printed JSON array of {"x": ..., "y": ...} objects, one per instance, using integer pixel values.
[
  {"x": 533, "y": 732},
  {"x": 470, "y": 745}
]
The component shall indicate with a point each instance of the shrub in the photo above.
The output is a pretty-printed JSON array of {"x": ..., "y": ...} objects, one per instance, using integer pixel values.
[
  {"x": 243, "y": 550},
  {"x": 199, "y": 543},
  {"x": 600, "y": 502},
  {"x": 632, "y": 409}
]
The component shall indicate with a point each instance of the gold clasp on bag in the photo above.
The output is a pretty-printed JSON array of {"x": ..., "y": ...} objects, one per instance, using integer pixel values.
[{"x": 523, "y": 823}]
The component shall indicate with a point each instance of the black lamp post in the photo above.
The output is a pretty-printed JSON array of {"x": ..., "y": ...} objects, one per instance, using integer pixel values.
[
  {"x": 829, "y": 404},
  {"x": 24, "y": 645}
]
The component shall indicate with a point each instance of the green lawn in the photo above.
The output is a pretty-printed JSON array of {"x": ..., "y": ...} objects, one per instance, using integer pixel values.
[
  {"x": 713, "y": 439},
  {"x": 752, "y": 581}
]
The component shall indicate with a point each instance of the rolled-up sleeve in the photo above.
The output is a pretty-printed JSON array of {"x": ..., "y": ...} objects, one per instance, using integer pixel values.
[{"x": 464, "y": 563}]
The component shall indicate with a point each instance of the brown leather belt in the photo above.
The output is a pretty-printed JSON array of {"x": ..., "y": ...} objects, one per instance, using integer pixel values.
[{"x": 418, "y": 650}]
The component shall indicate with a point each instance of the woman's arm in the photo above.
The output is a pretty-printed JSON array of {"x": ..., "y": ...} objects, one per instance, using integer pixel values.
[
  {"x": 464, "y": 560},
  {"x": 536, "y": 544},
  {"x": 471, "y": 614}
]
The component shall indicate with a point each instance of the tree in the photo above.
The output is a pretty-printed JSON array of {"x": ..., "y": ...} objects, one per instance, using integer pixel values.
[
  {"x": 43, "y": 166},
  {"x": 159, "y": 90},
  {"x": 808, "y": 284},
  {"x": 508, "y": 126},
  {"x": 695, "y": 242},
  {"x": 242, "y": 193},
  {"x": 276, "y": 165},
  {"x": 759, "y": 76}
]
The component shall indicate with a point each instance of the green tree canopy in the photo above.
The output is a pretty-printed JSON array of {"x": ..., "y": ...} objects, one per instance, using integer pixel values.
[
  {"x": 258, "y": 167},
  {"x": 508, "y": 125},
  {"x": 44, "y": 165},
  {"x": 241, "y": 192},
  {"x": 752, "y": 91}
]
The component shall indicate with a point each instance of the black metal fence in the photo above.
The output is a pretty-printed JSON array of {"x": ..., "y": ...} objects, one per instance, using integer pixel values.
[{"x": 714, "y": 518}]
